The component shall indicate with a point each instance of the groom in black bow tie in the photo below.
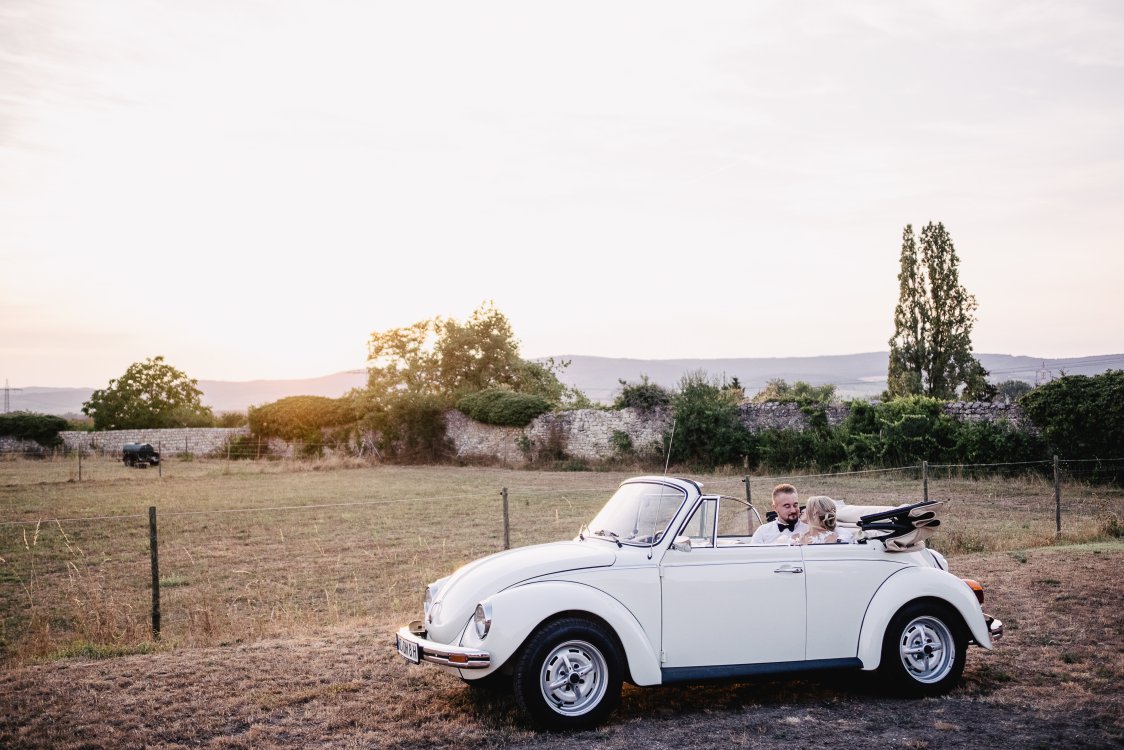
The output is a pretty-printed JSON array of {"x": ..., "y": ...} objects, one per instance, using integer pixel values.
[{"x": 786, "y": 503}]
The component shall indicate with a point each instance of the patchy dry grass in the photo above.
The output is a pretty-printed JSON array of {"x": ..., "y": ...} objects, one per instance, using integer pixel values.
[
  {"x": 276, "y": 623},
  {"x": 250, "y": 551},
  {"x": 1055, "y": 681}
]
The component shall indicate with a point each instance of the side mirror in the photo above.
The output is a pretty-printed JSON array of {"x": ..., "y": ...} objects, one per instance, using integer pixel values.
[{"x": 682, "y": 544}]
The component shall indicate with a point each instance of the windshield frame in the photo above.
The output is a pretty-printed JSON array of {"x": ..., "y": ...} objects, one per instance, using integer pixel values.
[{"x": 670, "y": 492}]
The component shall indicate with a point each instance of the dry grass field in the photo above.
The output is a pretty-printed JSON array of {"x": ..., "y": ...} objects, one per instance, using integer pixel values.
[{"x": 282, "y": 581}]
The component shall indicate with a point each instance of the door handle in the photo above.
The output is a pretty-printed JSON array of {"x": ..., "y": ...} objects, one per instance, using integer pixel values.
[{"x": 789, "y": 569}]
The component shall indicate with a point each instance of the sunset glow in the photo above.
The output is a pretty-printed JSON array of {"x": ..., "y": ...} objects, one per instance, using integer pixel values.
[{"x": 249, "y": 189}]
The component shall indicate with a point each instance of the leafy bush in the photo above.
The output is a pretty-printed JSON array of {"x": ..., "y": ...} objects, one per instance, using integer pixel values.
[
  {"x": 707, "y": 430},
  {"x": 644, "y": 395},
  {"x": 500, "y": 406},
  {"x": 996, "y": 442},
  {"x": 300, "y": 417},
  {"x": 411, "y": 428},
  {"x": 1082, "y": 417},
  {"x": 622, "y": 443},
  {"x": 231, "y": 419},
  {"x": 800, "y": 392},
  {"x": 25, "y": 425},
  {"x": 247, "y": 447}
]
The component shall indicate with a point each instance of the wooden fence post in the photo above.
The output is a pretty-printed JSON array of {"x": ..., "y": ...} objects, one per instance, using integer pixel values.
[
  {"x": 924, "y": 480},
  {"x": 506, "y": 521},
  {"x": 1057, "y": 499},
  {"x": 79, "y": 460},
  {"x": 155, "y": 572},
  {"x": 160, "y": 463},
  {"x": 749, "y": 500}
]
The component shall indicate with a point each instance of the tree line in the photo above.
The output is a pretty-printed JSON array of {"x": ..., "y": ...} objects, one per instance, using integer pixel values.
[{"x": 417, "y": 373}]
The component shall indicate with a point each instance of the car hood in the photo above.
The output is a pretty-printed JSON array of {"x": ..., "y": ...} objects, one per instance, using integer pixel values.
[{"x": 481, "y": 578}]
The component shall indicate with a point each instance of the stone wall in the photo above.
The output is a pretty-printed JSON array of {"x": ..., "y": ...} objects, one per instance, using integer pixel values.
[
  {"x": 196, "y": 440},
  {"x": 588, "y": 433},
  {"x": 584, "y": 433},
  {"x": 984, "y": 411},
  {"x": 786, "y": 416}
]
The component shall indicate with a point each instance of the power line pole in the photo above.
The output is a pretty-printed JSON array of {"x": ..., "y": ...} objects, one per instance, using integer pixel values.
[{"x": 8, "y": 396}]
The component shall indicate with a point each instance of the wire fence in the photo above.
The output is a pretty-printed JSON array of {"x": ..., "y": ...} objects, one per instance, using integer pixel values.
[{"x": 230, "y": 570}]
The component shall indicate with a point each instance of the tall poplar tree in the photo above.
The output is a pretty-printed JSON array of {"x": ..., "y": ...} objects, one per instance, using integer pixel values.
[{"x": 931, "y": 349}]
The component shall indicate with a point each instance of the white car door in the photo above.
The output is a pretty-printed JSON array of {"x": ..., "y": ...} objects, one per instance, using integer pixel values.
[
  {"x": 841, "y": 580},
  {"x": 727, "y": 604}
]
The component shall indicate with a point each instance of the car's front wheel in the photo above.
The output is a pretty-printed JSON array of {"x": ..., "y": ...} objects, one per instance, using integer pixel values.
[
  {"x": 924, "y": 649},
  {"x": 569, "y": 674}
]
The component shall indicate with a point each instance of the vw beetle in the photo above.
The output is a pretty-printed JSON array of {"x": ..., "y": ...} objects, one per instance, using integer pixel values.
[{"x": 663, "y": 586}]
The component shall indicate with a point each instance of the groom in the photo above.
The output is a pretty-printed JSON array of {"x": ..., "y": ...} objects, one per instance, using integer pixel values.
[{"x": 786, "y": 503}]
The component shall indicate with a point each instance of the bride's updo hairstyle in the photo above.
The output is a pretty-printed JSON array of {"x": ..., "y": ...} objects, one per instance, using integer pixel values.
[{"x": 821, "y": 512}]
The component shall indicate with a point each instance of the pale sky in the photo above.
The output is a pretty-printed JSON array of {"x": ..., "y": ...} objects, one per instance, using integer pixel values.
[{"x": 250, "y": 187}]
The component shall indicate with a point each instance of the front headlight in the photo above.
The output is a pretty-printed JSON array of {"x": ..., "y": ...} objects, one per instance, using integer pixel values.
[
  {"x": 483, "y": 619},
  {"x": 428, "y": 600}
]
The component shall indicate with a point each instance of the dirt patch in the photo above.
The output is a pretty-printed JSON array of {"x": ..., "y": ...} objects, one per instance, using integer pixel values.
[{"x": 1055, "y": 681}]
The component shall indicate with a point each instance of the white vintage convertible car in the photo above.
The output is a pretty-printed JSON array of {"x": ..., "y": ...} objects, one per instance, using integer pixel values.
[{"x": 663, "y": 586}]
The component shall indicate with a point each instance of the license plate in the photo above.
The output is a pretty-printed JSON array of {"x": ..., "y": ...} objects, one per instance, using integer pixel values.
[{"x": 408, "y": 649}]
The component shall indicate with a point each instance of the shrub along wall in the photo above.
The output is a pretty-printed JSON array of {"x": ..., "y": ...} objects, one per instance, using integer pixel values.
[{"x": 785, "y": 434}]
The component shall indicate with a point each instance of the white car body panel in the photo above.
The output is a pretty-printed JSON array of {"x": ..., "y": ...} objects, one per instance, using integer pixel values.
[
  {"x": 727, "y": 605},
  {"x": 517, "y": 611},
  {"x": 840, "y": 580},
  {"x": 473, "y": 582},
  {"x": 907, "y": 585}
]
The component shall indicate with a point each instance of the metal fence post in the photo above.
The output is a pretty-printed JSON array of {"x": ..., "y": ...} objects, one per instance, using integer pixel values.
[
  {"x": 1057, "y": 499},
  {"x": 155, "y": 572},
  {"x": 506, "y": 521},
  {"x": 924, "y": 480}
]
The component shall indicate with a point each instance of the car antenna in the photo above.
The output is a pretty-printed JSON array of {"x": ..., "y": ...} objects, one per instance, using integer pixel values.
[{"x": 669, "y": 442}]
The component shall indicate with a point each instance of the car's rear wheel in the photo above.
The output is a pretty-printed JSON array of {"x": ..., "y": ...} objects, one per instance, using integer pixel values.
[
  {"x": 569, "y": 674},
  {"x": 924, "y": 649}
]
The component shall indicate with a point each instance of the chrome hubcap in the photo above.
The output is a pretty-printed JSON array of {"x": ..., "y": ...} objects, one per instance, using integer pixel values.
[
  {"x": 573, "y": 677},
  {"x": 927, "y": 649}
]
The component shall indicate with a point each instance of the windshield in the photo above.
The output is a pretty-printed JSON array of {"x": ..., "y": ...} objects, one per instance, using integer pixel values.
[{"x": 639, "y": 512}]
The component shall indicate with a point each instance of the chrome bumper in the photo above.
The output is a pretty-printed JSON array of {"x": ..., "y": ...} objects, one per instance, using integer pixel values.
[
  {"x": 994, "y": 627},
  {"x": 442, "y": 653}
]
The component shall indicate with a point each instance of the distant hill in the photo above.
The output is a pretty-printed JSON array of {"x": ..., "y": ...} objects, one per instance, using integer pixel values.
[
  {"x": 220, "y": 395},
  {"x": 855, "y": 375}
]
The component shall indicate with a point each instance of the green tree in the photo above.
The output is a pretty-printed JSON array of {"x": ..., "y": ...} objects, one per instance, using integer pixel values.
[
  {"x": 150, "y": 394},
  {"x": 976, "y": 385},
  {"x": 931, "y": 349},
  {"x": 1011, "y": 390},
  {"x": 449, "y": 359}
]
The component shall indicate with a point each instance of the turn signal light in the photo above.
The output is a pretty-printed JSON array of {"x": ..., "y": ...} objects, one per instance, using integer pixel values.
[
  {"x": 975, "y": 587},
  {"x": 458, "y": 659}
]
